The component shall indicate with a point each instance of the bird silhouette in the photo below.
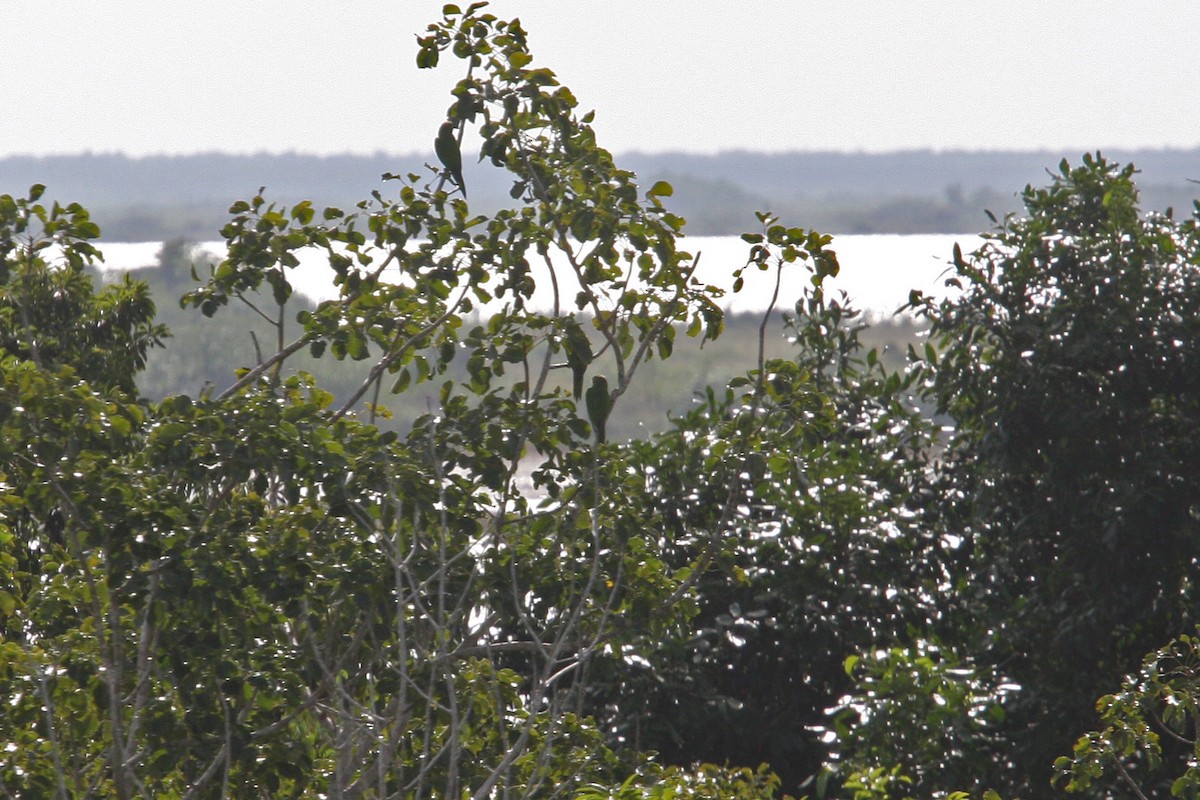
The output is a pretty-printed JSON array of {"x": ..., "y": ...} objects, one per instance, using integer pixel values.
[
  {"x": 599, "y": 404},
  {"x": 579, "y": 356},
  {"x": 448, "y": 152}
]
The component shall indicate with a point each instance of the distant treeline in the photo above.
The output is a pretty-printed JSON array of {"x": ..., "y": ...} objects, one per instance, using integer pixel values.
[{"x": 156, "y": 198}]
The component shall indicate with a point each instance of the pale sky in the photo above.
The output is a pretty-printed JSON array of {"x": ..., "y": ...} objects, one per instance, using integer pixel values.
[{"x": 702, "y": 76}]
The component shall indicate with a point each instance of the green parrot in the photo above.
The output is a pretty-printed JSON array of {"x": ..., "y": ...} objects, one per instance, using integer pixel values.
[
  {"x": 448, "y": 152},
  {"x": 579, "y": 356},
  {"x": 599, "y": 403}
]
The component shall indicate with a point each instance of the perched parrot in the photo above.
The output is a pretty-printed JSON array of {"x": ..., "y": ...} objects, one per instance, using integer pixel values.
[
  {"x": 448, "y": 152},
  {"x": 598, "y": 405},
  {"x": 579, "y": 356}
]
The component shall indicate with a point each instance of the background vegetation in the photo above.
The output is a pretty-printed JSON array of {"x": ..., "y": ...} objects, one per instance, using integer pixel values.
[{"x": 199, "y": 354}]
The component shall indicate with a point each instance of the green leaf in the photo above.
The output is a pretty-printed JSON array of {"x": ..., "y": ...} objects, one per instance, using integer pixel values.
[
  {"x": 661, "y": 189},
  {"x": 356, "y": 346},
  {"x": 170, "y": 431},
  {"x": 303, "y": 212},
  {"x": 428, "y": 56}
]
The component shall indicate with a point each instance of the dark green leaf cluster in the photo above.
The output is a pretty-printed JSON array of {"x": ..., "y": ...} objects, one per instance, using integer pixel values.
[
  {"x": 1151, "y": 723},
  {"x": 792, "y": 503},
  {"x": 1071, "y": 367},
  {"x": 49, "y": 313},
  {"x": 1068, "y": 366}
]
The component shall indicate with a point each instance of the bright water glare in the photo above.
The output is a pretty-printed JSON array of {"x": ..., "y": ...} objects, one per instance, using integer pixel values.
[{"x": 877, "y": 271}]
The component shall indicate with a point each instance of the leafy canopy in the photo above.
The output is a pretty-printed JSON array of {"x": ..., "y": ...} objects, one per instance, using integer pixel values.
[{"x": 257, "y": 592}]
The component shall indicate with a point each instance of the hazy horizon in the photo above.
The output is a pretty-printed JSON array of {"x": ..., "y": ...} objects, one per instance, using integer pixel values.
[
  {"x": 771, "y": 77},
  {"x": 636, "y": 152}
]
